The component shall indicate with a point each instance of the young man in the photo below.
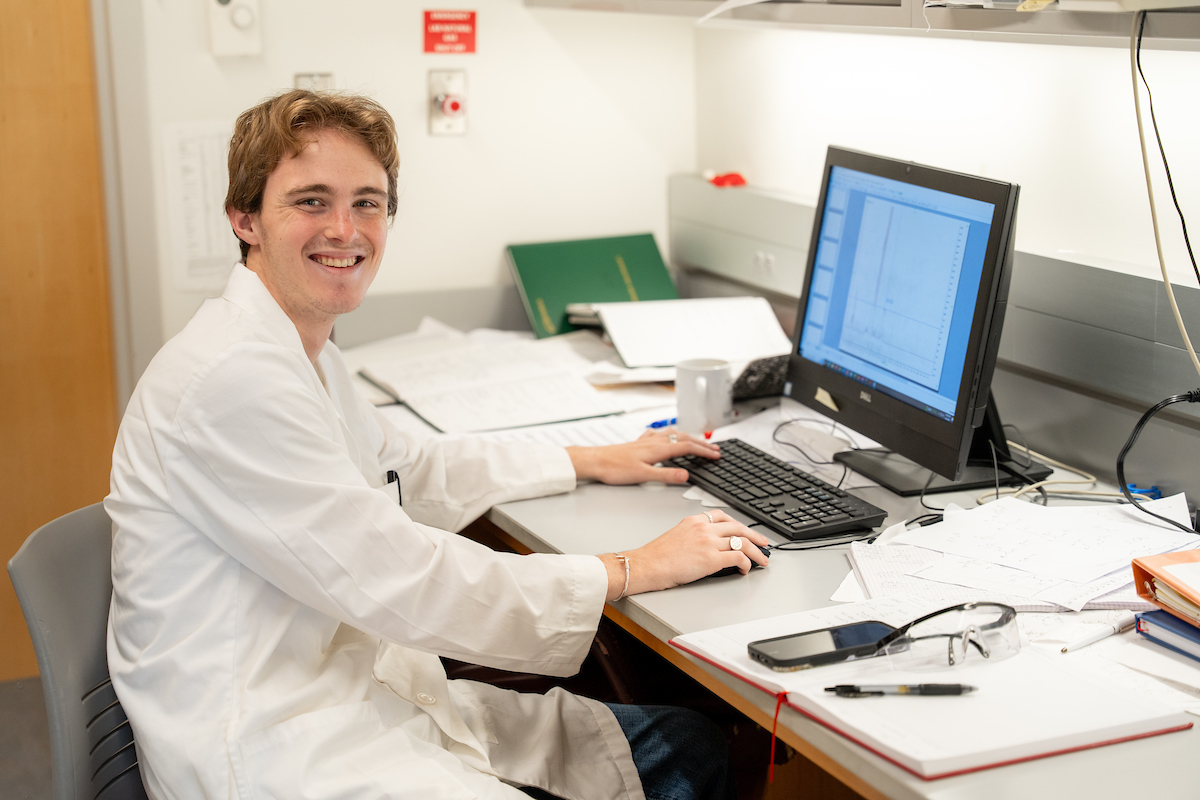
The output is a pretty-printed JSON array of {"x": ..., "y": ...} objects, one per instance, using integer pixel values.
[{"x": 277, "y": 617}]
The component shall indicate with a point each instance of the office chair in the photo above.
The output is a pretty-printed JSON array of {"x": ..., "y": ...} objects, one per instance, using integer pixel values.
[{"x": 63, "y": 582}]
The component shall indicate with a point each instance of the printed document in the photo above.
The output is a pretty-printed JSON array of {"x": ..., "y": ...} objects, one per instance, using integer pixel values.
[{"x": 1071, "y": 543}]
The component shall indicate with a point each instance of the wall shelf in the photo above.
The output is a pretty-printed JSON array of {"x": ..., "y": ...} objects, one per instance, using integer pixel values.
[{"x": 1173, "y": 29}]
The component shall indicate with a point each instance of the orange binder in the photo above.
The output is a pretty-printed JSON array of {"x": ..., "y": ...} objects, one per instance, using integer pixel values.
[{"x": 1172, "y": 582}]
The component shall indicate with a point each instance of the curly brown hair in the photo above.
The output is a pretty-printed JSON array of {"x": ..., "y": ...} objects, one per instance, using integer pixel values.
[{"x": 285, "y": 124}]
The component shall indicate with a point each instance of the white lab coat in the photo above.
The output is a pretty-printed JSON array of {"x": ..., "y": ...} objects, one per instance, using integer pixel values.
[{"x": 276, "y": 616}]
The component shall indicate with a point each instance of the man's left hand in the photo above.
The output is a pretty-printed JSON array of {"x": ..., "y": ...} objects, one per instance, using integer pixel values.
[{"x": 634, "y": 462}]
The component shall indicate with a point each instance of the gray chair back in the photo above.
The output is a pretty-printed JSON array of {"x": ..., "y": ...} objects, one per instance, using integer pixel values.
[{"x": 64, "y": 583}]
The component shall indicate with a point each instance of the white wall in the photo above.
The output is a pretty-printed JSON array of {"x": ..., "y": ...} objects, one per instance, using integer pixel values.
[
  {"x": 575, "y": 121},
  {"x": 1056, "y": 119},
  {"x": 577, "y": 118}
]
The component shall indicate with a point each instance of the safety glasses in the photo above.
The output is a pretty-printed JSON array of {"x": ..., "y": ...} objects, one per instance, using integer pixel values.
[{"x": 947, "y": 638}]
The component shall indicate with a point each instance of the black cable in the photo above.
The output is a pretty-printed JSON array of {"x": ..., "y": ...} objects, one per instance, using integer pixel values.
[
  {"x": 814, "y": 461},
  {"x": 838, "y": 538},
  {"x": 1024, "y": 446},
  {"x": 775, "y": 438},
  {"x": 1161, "y": 150},
  {"x": 995, "y": 466},
  {"x": 1190, "y": 397},
  {"x": 1012, "y": 472},
  {"x": 925, "y": 488},
  {"x": 1029, "y": 461},
  {"x": 806, "y": 546}
]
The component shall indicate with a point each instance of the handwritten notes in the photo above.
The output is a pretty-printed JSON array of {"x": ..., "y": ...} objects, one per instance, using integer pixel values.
[{"x": 1071, "y": 543}]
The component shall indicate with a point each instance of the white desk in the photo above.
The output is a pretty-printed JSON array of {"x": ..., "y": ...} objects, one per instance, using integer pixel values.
[{"x": 596, "y": 518}]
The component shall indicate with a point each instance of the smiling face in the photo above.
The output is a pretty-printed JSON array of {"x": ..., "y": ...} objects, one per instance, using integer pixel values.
[{"x": 317, "y": 241}]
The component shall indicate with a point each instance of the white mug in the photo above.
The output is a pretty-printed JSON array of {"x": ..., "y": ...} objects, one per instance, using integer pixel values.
[{"x": 702, "y": 395}]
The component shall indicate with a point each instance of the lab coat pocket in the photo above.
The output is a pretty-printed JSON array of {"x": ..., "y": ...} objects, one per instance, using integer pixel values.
[{"x": 345, "y": 752}]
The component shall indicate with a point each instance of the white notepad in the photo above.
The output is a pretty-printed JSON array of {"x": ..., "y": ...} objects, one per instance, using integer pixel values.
[{"x": 1026, "y": 707}]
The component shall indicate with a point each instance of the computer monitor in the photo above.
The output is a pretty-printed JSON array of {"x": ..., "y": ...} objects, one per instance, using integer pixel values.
[{"x": 900, "y": 317}]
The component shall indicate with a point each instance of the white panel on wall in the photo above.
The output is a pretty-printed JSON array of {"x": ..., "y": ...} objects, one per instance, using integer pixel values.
[
  {"x": 577, "y": 119},
  {"x": 1056, "y": 119}
]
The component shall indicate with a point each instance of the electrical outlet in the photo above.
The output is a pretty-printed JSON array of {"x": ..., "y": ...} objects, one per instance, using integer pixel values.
[
  {"x": 447, "y": 102},
  {"x": 764, "y": 263}
]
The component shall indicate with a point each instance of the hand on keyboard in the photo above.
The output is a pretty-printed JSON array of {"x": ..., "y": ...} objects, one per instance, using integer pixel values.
[
  {"x": 777, "y": 494},
  {"x": 636, "y": 461}
]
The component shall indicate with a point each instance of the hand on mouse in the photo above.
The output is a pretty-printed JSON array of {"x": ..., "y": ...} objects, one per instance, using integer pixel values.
[{"x": 695, "y": 548}]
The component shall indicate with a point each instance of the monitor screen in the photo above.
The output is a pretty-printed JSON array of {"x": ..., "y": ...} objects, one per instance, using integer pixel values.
[{"x": 900, "y": 316}]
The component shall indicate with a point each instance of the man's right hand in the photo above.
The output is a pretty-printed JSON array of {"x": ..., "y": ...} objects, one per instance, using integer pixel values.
[{"x": 693, "y": 549}]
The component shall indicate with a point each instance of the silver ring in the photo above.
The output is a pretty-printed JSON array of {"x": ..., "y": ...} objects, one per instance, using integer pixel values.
[
  {"x": 672, "y": 438},
  {"x": 735, "y": 543},
  {"x": 709, "y": 515}
]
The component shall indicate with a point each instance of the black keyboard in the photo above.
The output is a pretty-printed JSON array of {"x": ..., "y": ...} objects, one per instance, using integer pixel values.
[{"x": 782, "y": 497}]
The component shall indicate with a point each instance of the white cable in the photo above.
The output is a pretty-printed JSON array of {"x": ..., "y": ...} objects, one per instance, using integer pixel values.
[
  {"x": 1085, "y": 478},
  {"x": 990, "y": 495},
  {"x": 1162, "y": 262},
  {"x": 1090, "y": 478}
]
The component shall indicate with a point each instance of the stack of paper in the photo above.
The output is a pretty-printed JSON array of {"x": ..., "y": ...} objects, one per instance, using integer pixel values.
[
  {"x": 1025, "y": 707},
  {"x": 1030, "y": 557},
  {"x": 1172, "y": 582},
  {"x": 583, "y": 315},
  {"x": 431, "y": 336},
  {"x": 662, "y": 333},
  {"x": 508, "y": 384}
]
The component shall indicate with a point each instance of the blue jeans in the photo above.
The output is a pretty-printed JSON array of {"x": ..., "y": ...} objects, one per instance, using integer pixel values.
[{"x": 679, "y": 753}]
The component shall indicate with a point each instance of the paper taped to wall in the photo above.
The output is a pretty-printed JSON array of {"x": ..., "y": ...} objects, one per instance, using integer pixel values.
[{"x": 203, "y": 248}]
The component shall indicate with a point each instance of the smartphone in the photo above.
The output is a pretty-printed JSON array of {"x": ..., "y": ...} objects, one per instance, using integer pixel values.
[{"x": 817, "y": 648}]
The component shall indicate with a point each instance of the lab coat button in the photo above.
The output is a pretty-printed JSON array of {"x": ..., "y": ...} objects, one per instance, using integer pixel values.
[{"x": 426, "y": 698}]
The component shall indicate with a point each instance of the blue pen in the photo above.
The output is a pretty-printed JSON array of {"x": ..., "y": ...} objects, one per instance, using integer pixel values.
[{"x": 662, "y": 423}]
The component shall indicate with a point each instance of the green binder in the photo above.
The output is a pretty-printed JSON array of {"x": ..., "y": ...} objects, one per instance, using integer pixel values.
[{"x": 550, "y": 275}]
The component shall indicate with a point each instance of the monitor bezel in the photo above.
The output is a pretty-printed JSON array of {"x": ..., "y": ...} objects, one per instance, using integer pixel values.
[{"x": 939, "y": 445}]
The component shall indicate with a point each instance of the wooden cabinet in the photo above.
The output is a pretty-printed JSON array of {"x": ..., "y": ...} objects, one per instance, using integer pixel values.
[{"x": 58, "y": 418}]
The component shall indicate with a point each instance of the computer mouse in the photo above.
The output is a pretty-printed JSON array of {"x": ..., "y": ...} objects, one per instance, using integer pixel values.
[{"x": 766, "y": 551}]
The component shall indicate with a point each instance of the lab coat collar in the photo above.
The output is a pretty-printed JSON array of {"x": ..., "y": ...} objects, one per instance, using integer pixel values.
[{"x": 246, "y": 291}]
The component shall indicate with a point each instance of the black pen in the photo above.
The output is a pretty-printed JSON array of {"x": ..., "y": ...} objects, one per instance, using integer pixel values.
[
  {"x": 394, "y": 477},
  {"x": 848, "y": 690}
]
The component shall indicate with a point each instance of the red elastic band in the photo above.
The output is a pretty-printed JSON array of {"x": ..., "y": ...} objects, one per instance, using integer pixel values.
[{"x": 775, "y": 727}]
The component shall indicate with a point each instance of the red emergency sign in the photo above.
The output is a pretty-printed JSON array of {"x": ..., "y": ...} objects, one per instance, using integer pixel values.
[{"x": 449, "y": 31}]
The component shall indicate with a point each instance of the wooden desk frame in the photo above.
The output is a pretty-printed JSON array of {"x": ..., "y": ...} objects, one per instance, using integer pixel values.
[{"x": 484, "y": 530}]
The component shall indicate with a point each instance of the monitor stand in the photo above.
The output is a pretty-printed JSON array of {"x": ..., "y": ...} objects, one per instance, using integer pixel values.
[{"x": 907, "y": 479}]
